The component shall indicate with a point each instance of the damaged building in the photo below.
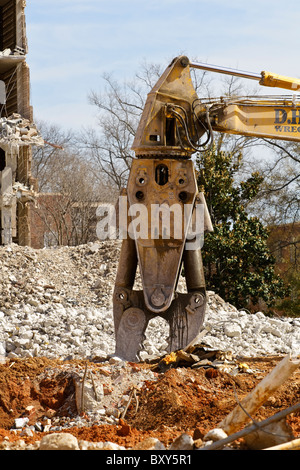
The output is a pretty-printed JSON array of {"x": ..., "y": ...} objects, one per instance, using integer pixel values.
[{"x": 17, "y": 131}]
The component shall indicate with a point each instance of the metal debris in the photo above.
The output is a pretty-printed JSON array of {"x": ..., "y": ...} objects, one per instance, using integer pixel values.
[{"x": 200, "y": 355}]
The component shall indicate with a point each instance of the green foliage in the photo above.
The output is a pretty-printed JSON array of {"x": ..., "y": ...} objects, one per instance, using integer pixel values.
[{"x": 237, "y": 261}]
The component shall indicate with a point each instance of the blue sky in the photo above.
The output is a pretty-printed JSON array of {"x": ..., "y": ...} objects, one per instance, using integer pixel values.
[{"x": 73, "y": 42}]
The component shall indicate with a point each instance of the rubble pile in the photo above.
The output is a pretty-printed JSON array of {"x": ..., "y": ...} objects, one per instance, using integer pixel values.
[
  {"x": 57, "y": 303},
  {"x": 18, "y": 131}
]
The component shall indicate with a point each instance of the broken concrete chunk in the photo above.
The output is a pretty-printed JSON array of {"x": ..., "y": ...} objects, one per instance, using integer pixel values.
[
  {"x": 214, "y": 435},
  {"x": 21, "y": 422},
  {"x": 59, "y": 441},
  {"x": 183, "y": 442},
  {"x": 151, "y": 443},
  {"x": 16, "y": 129},
  {"x": 232, "y": 330}
]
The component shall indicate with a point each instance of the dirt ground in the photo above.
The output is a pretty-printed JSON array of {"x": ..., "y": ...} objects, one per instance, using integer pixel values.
[{"x": 181, "y": 399}]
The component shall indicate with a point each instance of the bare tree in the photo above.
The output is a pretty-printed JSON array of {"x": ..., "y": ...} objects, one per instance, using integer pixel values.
[
  {"x": 119, "y": 109},
  {"x": 44, "y": 159},
  {"x": 279, "y": 201},
  {"x": 69, "y": 189}
]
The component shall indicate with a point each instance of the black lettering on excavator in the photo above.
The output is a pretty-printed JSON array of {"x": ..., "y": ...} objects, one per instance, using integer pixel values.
[
  {"x": 280, "y": 116},
  {"x": 295, "y": 115},
  {"x": 286, "y": 129}
]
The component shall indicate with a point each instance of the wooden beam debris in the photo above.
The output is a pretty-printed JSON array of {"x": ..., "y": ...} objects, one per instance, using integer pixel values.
[{"x": 291, "y": 445}]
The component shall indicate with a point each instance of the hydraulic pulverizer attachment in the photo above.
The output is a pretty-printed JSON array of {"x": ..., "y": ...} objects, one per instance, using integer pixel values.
[{"x": 167, "y": 217}]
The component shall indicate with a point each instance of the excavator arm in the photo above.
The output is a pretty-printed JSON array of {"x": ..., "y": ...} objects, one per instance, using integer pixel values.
[
  {"x": 174, "y": 125},
  {"x": 175, "y": 118},
  {"x": 268, "y": 117},
  {"x": 265, "y": 117},
  {"x": 267, "y": 79}
]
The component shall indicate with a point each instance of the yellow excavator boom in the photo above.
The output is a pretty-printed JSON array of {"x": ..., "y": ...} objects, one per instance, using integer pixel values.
[
  {"x": 279, "y": 81},
  {"x": 271, "y": 118},
  {"x": 175, "y": 119},
  {"x": 265, "y": 117}
]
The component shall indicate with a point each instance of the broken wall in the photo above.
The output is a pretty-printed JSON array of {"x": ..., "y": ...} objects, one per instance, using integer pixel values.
[{"x": 17, "y": 131}]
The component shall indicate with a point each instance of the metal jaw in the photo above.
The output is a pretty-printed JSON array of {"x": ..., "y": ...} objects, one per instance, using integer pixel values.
[{"x": 185, "y": 318}]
